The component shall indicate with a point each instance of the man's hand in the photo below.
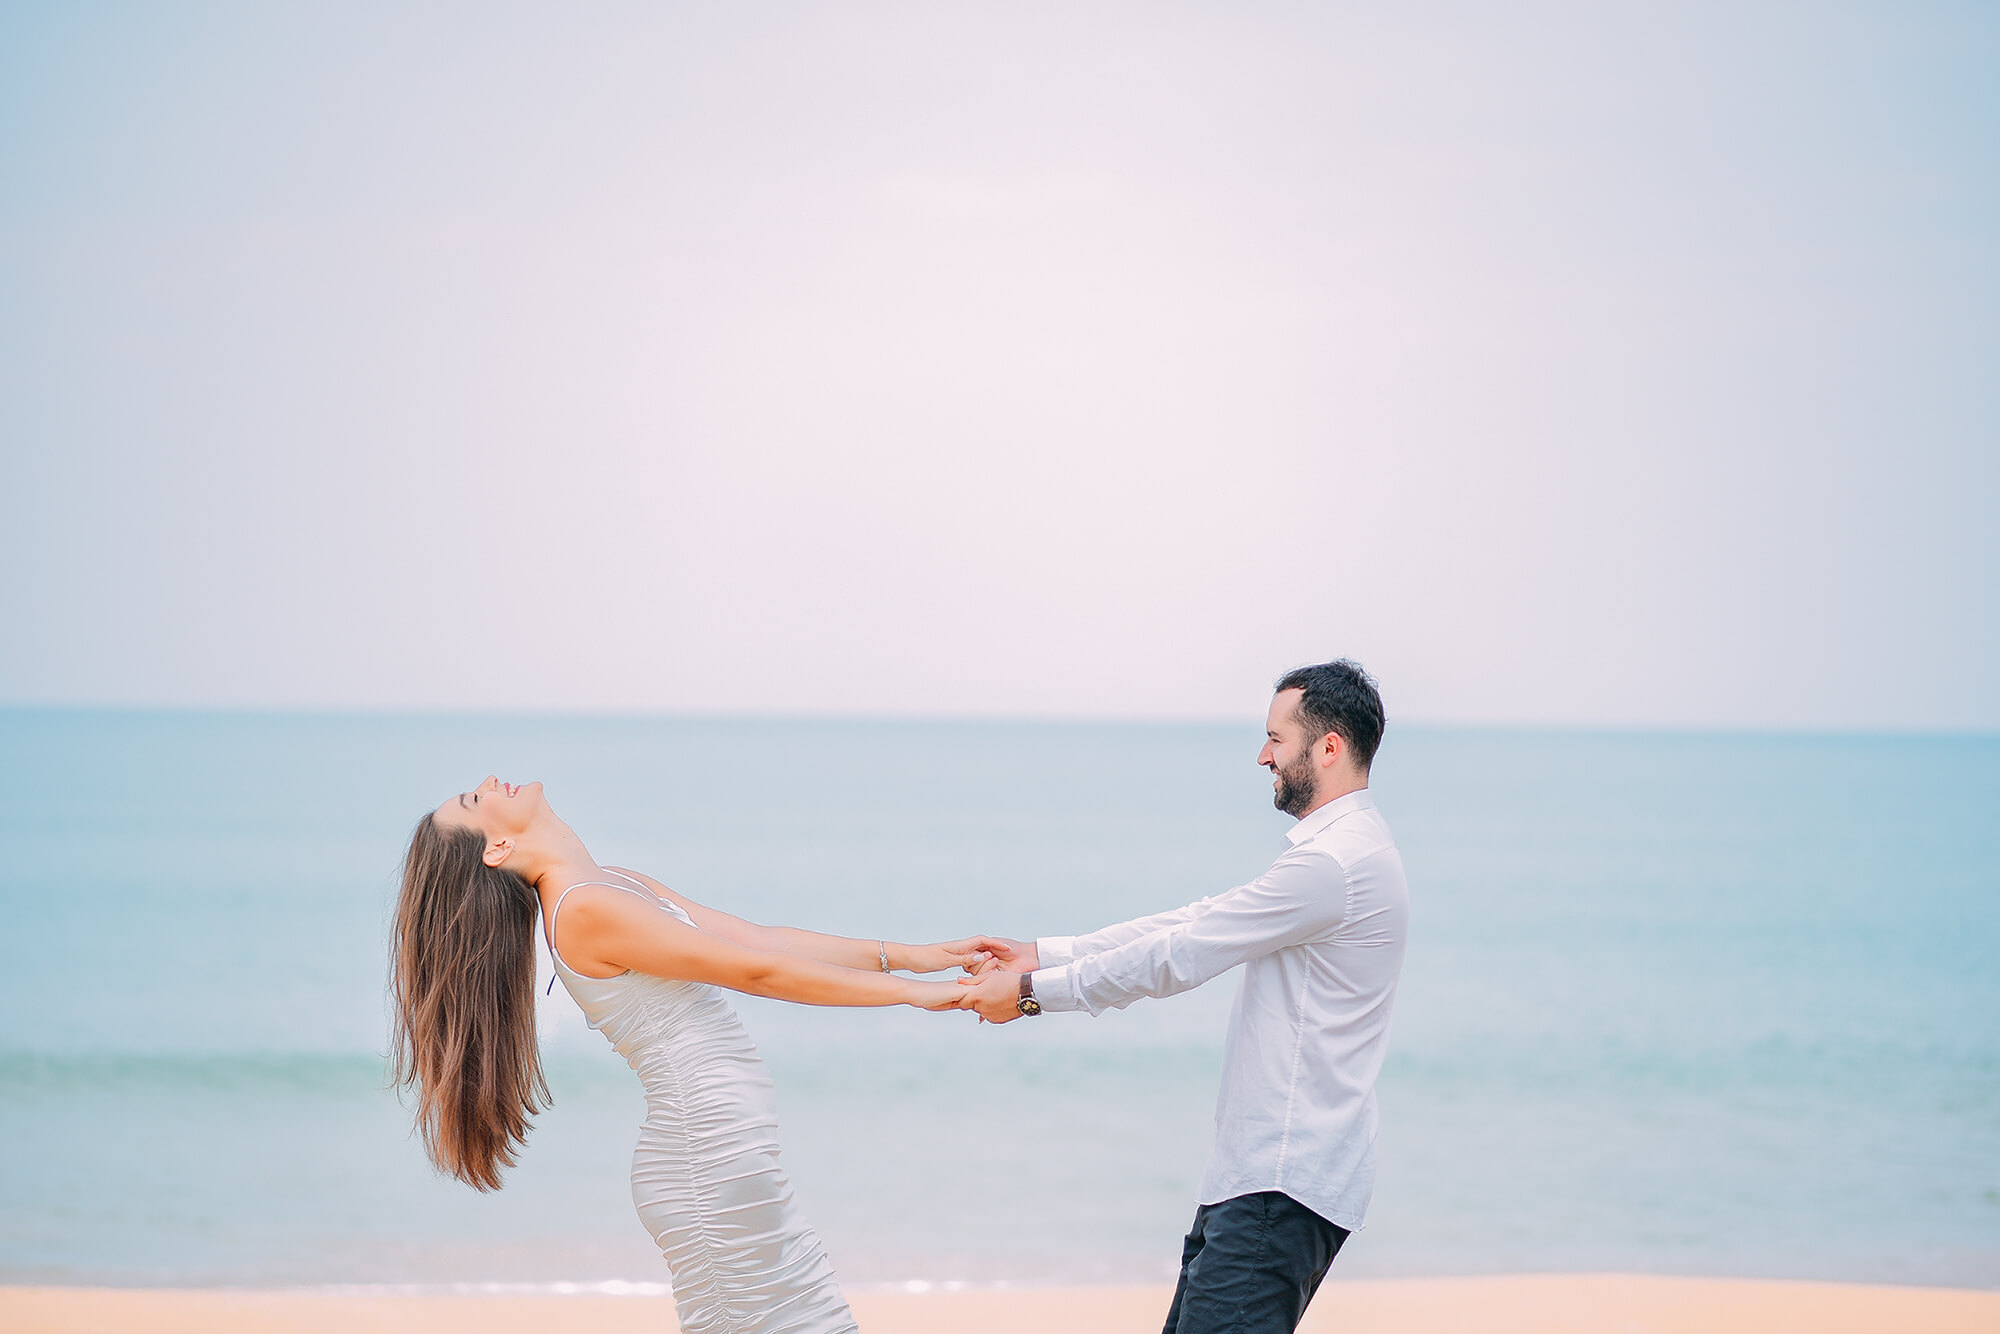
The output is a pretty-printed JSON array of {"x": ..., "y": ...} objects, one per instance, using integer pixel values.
[
  {"x": 995, "y": 995},
  {"x": 986, "y": 953}
]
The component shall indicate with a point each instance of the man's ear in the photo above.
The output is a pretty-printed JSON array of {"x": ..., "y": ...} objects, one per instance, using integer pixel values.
[
  {"x": 1331, "y": 748},
  {"x": 498, "y": 852}
]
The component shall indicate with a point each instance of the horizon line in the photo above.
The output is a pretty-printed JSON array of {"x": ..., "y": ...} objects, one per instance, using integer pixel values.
[{"x": 1025, "y": 719}]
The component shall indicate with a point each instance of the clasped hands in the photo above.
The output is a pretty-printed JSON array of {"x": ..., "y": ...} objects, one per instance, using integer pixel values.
[{"x": 991, "y": 987}]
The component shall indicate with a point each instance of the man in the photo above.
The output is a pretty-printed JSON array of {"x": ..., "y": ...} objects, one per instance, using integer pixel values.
[{"x": 1321, "y": 934}]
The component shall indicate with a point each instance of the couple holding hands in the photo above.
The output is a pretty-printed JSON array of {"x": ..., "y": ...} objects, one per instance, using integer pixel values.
[{"x": 1320, "y": 934}]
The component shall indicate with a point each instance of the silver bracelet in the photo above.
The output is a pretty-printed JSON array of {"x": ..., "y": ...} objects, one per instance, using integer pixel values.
[{"x": 882, "y": 948}]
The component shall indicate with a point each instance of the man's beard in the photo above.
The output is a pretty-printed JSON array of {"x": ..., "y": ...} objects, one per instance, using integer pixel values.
[{"x": 1296, "y": 785}]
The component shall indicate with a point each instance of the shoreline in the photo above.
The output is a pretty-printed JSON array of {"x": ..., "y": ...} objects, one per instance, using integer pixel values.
[{"x": 1505, "y": 1304}]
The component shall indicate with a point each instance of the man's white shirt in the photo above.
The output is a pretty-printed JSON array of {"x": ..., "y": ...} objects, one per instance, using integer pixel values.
[{"x": 1322, "y": 935}]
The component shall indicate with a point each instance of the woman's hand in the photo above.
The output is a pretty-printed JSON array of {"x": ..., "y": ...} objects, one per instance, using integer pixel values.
[
  {"x": 968, "y": 954},
  {"x": 937, "y": 995},
  {"x": 985, "y": 953}
]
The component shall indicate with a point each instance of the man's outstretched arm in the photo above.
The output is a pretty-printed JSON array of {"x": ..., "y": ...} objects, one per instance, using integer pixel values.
[
  {"x": 1303, "y": 896},
  {"x": 1025, "y": 956}
]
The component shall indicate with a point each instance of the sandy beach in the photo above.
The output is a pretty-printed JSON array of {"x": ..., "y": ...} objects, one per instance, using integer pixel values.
[{"x": 1523, "y": 1304}]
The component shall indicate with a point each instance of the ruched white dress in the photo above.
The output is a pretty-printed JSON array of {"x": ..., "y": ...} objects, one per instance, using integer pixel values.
[{"x": 705, "y": 1174}]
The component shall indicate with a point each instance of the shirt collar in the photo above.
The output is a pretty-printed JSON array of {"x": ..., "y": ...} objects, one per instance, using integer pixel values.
[{"x": 1359, "y": 800}]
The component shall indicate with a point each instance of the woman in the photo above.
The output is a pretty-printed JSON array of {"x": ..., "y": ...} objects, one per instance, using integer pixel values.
[{"x": 645, "y": 965}]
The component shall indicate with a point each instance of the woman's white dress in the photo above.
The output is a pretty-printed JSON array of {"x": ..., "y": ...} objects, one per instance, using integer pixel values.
[{"x": 705, "y": 1174}]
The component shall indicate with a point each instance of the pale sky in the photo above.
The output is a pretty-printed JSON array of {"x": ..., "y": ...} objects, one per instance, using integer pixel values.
[{"x": 1573, "y": 364}]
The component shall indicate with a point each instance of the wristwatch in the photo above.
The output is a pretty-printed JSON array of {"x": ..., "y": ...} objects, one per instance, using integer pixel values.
[{"x": 1028, "y": 1005}]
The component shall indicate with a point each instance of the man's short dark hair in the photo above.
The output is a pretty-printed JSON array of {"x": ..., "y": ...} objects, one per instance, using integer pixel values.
[{"x": 1341, "y": 698}]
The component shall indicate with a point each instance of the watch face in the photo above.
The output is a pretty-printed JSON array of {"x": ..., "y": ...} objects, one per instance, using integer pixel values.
[{"x": 1029, "y": 1005}]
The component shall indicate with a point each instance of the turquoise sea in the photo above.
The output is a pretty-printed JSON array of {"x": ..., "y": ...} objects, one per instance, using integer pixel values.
[{"x": 1705, "y": 1004}]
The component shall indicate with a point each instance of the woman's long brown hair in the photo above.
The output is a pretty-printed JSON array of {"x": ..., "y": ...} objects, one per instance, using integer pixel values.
[{"x": 462, "y": 979}]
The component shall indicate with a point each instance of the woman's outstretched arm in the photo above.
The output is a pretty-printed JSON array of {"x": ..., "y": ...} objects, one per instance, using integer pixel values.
[
  {"x": 609, "y": 931},
  {"x": 842, "y": 950}
]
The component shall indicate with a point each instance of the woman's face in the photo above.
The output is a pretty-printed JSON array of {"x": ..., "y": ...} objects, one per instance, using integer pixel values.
[{"x": 497, "y": 810}]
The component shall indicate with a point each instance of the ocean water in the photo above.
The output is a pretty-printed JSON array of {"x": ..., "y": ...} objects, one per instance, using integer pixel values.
[{"x": 1680, "y": 1004}]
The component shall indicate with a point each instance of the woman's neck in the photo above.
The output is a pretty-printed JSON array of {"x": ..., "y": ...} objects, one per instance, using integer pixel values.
[
  {"x": 559, "y": 859},
  {"x": 558, "y": 876}
]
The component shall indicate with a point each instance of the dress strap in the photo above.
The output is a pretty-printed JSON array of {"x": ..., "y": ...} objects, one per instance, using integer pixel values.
[
  {"x": 647, "y": 890},
  {"x": 632, "y": 882},
  {"x": 605, "y": 884}
]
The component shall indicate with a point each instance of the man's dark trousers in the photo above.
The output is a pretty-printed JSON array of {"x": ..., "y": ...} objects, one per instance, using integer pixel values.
[{"x": 1250, "y": 1265}]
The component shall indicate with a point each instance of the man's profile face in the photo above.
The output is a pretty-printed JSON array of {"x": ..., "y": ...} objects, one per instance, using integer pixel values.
[{"x": 1289, "y": 755}]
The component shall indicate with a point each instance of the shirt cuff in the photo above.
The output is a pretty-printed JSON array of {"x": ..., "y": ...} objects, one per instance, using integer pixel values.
[
  {"x": 1055, "y": 951},
  {"x": 1055, "y": 988}
]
